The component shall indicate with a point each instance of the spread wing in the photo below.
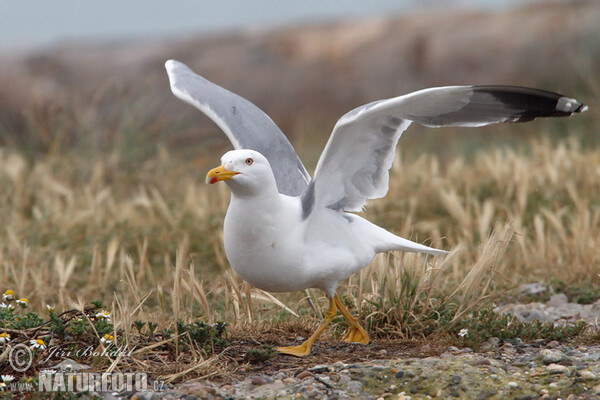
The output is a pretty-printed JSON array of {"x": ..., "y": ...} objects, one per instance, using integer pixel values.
[
  {"x": 246, "y": 126},
  {"x": 355, "y": 162}
]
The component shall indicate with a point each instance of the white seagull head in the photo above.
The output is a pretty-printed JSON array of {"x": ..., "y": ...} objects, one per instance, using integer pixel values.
[{"x": 246, "y": 172}]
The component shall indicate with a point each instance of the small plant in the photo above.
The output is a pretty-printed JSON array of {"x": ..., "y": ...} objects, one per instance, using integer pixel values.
[
  {"x": 486, "y": 323},
  {"x": 207, "y": 336},
  {"x": 259, "y": 355}
]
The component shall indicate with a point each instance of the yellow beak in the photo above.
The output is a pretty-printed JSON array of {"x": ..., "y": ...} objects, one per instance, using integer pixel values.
[{"x": 219, "y": 174}]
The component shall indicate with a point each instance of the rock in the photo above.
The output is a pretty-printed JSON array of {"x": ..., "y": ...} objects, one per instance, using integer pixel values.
[
  {"x": 587, "y": 375},
  {"x": 553, "y": 344},
  {"x": 513, "y": 384},
  {"x": 490, "y": 344},
  {"x": 557, "y": 369},
  {"x": 354, "y": 386},
  {"x": 552, "y": 356},
  {"x": 557, "y": 300},
  {"x": 319, "y": 369},
  {"x": 399, "y": 374},
  {"x": 456, "y": 379},
  {"x": 258, "y": 381},
  {"x": 145, "y": 396},
  {"x": 304, "y": 374},
  {"x": 344, "y": 379},
  {"x": 479, "y": 361}
]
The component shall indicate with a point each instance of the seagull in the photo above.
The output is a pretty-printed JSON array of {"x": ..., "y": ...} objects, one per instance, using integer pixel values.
[{"x": 285, "y": 231}]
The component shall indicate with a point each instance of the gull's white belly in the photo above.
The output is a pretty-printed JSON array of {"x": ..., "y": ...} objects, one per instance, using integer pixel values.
[
  {"x": 276, "y": 251},
  {"x": 264, "y": 247}
]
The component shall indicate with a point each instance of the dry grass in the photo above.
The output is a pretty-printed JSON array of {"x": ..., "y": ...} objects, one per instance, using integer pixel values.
[{"x": 147, "y": 242}]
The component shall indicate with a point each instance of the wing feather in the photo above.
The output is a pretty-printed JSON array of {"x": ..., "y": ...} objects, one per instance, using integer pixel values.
[
  {"x": 355, "y": 162},
  {"x": 246, "y": 126}
]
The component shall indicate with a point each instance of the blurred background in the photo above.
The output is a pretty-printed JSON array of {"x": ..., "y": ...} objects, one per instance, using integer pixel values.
[
  {"x": 90, "y": 76},
  {"x": 102, "y": 168}
]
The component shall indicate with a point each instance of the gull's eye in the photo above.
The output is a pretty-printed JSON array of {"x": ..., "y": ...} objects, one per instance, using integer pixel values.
[{"x": 249, "y": 161}]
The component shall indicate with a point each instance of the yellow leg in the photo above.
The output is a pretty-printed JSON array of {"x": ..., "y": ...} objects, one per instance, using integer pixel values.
[
  {"x": 304, "y": 348},
  {"x": 356, "y": 333}
]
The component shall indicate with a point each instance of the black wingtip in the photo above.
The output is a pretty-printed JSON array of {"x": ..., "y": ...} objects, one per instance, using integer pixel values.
[{"x": 527, "y": 104}]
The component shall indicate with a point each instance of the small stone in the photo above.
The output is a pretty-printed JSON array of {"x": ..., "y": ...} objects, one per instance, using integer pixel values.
[
  {"x": 587, "y": 375},
  {"x": 304, "y": 374},
  {"x": 513, "y": 384},
  {"x": 490, "y": 344},
  {"x": 354, "y": 386},
  {"x": 289, "y": 380},
  {"x": 479, "y": 361},
  {"x": 453, "y": 348},
  {"x": 456, "y": 379},
  {"x": 193, "y": 388},
  {"x": 525, "y": 397},
  {"x": 553, "y": 344},
  {"x": 257, "y": 380},
  {"x": 552, "y": 356},
  {"x": 344, "y": 379},
  {"x": 544, "y": 391},
  {"x": 319, "y": 369},
  {"x": 399, "y": 374},
  {"x": 557, "y": 300},
  {"x": 557, "y": 369}
]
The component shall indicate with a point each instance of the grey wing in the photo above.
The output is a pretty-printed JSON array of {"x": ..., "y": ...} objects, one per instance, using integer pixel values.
[
  {"x": 355, "y": 162},
  {"x": 246, "y": 126}
]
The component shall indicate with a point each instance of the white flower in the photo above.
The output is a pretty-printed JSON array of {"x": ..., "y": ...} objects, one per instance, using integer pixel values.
[
  {"x": 463, "y": 332},
  {"x": 4, "y": 337},
  {"x": 8, "y": 295},
  {"x": 103, "y": 315},
  {"x": 50, "y": 308},
  {"x": 107, "y": 339},
  {"x": 2, "y": 386},
  {"x": 37, "y": 344},
  {"x": 7, "y": 378},
  {"x": 9, "y": 306},
  {"x": 47, "y": 371},
  {"x": 23, "y": 302}
]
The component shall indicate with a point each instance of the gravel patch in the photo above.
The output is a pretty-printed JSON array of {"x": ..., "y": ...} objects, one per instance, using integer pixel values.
[
  {"x": 521, "y": 371},
  {"x": 557, "y": 309}
]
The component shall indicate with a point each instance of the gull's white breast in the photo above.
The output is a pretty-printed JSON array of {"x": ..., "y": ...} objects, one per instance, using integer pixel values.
[{"x": 270, "y": 246}]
